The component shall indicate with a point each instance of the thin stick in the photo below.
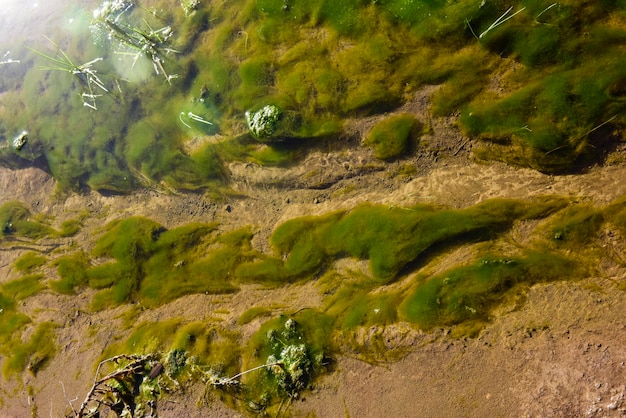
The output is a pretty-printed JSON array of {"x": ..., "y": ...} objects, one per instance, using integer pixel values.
[
  {"x": 545, "y": 10},
  {"x": 137, "y": 363},
  {"x": 198, "y": 118},
  {"x": 584, "y": 135},
  {"x": 66, "y": 399},
  {"x": 229, "y": 380},
  {"x": 280, "y": 406},
  {"x": 499, "y": 21},
  {"x": 471, "y": 29},
  {"x": 180, "y": 117},
  {"x": 600, "y": 125}
]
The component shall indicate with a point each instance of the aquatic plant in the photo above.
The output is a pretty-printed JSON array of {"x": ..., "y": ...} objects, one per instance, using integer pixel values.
[
  {"x": 263, "y": 122},
  {"x": 559, "y": 111},
  {"x": 391, "y": 238},
  {"x": 148, "y": 263},
  {"x": 292, "y": 365},
  {"x": 286, "y": 354},
  {"x": 91, "y": 84},
  {"x": 31, "y": 353},
  {"x": 111, "y": 24},
  {"x": 467, "y": 294},
  {"x": 389, "y": 50},
  {"x": 29, "y": 262},
  {"x": 281, "y": 359},
  {"x": 24, "y": 287},
  {"x": 189, "y": 6},
  {"x": 392, "y": 137},
  {"x": 16, "y": 219},
  {"x": 72, "y": 269}
]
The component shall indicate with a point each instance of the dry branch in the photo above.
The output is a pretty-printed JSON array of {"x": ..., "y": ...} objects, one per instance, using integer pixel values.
[{"x": 136, "y": 365}]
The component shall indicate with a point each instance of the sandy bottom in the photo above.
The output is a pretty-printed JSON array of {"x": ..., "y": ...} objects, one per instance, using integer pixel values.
[{"x": 559, "y": 353}]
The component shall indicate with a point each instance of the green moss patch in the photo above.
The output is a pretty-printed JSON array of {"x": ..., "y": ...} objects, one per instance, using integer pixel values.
[
  {"x": 16, "y": 219},
  {"x": 391, "y": 238},
  {"x": 20, "y": 353},
  {"x": 253, "y": 313},
  {"x": 356, "y": 306},
  {"x": 136, "y": 260},
  {"x": 23, "y": 287},
  {"x": 32, "y": 354},
  {"x": 577, "y": 226},
  {"x": 393, "y": 136},
  {"x": 72, "y": 270},
  {"x": 11, "y": 321},
  {"x": 200, "y": 342},
  {"x": 323, "y": 62},
  {"x": 29, "y": 262},
  {"x": 280, "y": 360},
  {"x": 155, "y": 266},
  {"x": 467, "y": 294},
  {"x": 562, "y": 99}
]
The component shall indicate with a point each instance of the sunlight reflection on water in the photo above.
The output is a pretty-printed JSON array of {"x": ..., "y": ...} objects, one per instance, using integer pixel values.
[{"x": 22, "y": 21}]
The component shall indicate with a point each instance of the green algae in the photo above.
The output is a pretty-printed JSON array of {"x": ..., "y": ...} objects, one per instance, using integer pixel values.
[
  {"x": 72, "y": 269},
  {"x": 306, "y": 336},
  {"x": 16, "y": 219},
  {"x": 23, "y": 287},
  {"x": 209, "y": 344},
  {"x": 34, "y": 353},
  {"x": 136, "y": 260},
  {"x": 389, "y": 237},
  {"x": 393, "y": 136},
  {"x": 550, "y": 120},
  {"x": 189, "y": 351},
  {"x": 242, "y": 55},
  {"x": 29, "y": 261},
  {"x": 555, "y": 112},
  {"x": 577, "y": 226},
  {"x": 469, "y": 293},
  {"x": 146, "y": 337},
  {"x": 11, "y": 320},
  {"x": 365, "y": 309},
  {"x": 156, "y": 266},
  {"x": 253, "y": 313},
  {"x": 19, "y": 348}
]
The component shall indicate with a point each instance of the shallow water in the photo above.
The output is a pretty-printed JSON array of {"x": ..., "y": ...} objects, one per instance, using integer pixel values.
[
  {"x": 368, "y": 280},
  {"x": 78, "y": 96},
  {"x": 26, "y": 22}
]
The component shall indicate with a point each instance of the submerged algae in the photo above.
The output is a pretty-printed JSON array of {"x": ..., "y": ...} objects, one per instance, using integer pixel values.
[
  {"x": 469, "y": 293},
  {"x": 392, "y": 137},
  {"x": 139, "y": 261},
  {"x": 243, "y": 55},
  {"x": 150, "y": 262}
]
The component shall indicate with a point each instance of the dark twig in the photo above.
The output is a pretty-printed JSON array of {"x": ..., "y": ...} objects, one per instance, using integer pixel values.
[{"x": 135, "y": 366}]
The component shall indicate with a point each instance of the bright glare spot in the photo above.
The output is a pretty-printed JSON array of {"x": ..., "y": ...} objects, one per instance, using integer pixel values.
[{"x": 31, "y": 19}]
